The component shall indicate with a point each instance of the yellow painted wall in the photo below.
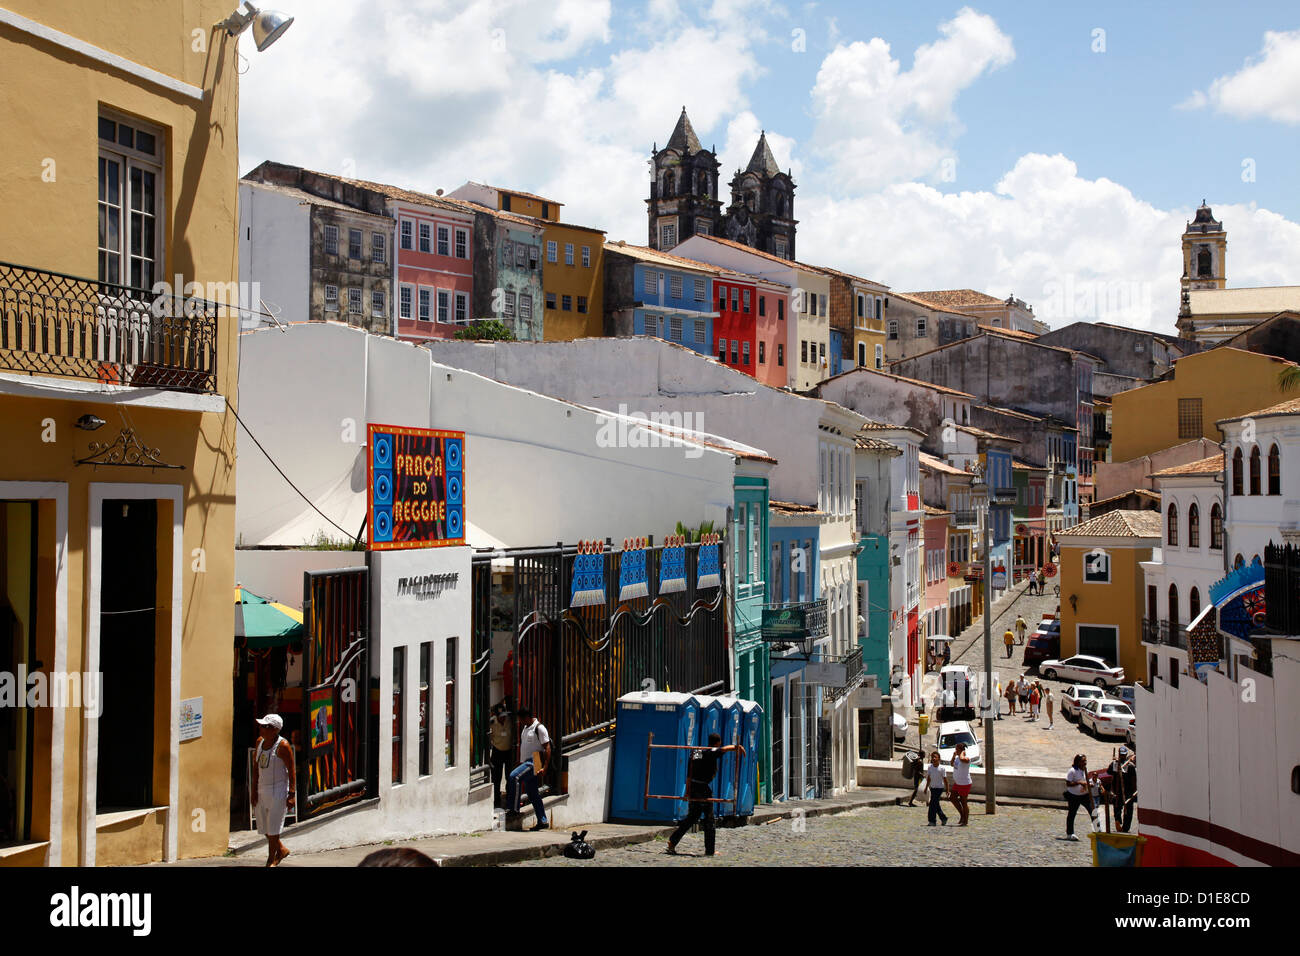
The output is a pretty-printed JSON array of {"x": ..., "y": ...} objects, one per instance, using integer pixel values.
[
  {"x": 52, "y": 100},
  {"x": 574, "y": 280},
  {"x": 1228, "y": 381},
  {"x": 1118, "y": 603}
]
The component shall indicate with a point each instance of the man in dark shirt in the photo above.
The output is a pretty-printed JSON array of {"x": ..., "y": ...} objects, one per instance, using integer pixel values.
[
  {"x": 700, "y": 772},
  {"x": 1123, "y": 788}
]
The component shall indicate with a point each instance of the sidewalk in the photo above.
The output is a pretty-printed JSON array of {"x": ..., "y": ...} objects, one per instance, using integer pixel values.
[{"x": 495, "y": 847}]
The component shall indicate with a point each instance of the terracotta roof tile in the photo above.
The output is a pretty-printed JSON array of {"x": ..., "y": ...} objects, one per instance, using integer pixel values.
[
  {"x": 957, "y": 297},
  {"x": 1206, "y": 466},
  {"x": 1290, "y": 407},
  {"x": 646, "y": 254},
  {"x": 1119, "y": 524}
]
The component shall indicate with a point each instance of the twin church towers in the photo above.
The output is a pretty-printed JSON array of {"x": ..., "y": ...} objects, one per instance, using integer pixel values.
[{"x": 684, "y": 197}]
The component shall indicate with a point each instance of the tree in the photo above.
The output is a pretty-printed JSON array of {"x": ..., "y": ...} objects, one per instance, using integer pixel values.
[
  {"x": 693, "y": 535},
  {"x": 1289, "y": 378},
  {"x": 487, "y": 330}
]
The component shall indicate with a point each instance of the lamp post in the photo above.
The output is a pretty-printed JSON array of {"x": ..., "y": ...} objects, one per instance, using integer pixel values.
[{"x": 990, "y": 788}]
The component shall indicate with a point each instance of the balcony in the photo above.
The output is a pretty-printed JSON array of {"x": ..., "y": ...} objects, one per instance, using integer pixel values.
[
  {"x": 1158, "y": 632},
  {"x": 853, "y": 674},
  {"x": 795, "y": 621},
  {"x": 55, "y": 324},
  {"x": 964, "y": 519}
]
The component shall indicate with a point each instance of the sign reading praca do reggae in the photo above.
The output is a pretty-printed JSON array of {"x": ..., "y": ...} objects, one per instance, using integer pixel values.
[{"x": 416, "y": 490}]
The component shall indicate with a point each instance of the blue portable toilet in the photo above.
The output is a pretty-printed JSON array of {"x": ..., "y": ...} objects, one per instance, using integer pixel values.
[
  {"x": 751, "y": 729},
  {"x": 724, "y": 785},
  {"x": 671, "y": 718},
  {"x": 712, "y": 711}
]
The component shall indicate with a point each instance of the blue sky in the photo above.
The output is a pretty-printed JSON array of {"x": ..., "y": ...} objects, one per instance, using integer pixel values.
[{"x": 935, "y": 145}]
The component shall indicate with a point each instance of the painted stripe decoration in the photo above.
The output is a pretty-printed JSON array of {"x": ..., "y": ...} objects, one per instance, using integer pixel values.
[
  {"x": 710, "y": 562},
  {"x": 672, "y": 565},
  {"x": 588, "y": 587},
  {"x": 633, "y": 581}
]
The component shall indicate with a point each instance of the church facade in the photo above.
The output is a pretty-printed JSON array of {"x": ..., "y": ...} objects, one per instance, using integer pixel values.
[{"x": 684, "y": 200}]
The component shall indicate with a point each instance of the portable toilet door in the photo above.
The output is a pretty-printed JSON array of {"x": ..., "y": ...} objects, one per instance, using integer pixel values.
[
  {"x": 725, "y": 783},
  {"x": 672, "y": 719},
  {"x": 712, "y": 711},
  {"x": 751, "y": 728}
]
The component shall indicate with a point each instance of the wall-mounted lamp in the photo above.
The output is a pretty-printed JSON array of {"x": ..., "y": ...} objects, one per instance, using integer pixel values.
[
  {"x": 89, "y": 423},
  {"x": 268, "y": 25}
]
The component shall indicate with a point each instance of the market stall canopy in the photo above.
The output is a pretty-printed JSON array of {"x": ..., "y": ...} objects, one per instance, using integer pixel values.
[{"x": 260, "y": 623}]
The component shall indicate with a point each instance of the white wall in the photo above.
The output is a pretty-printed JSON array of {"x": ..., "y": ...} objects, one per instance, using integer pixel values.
[
  {"x": 276, "y": 253},
  {"x": 277, "y": 575},
  {"x": 1255, "y": 520},
  {"x": 536, "y": 471}
]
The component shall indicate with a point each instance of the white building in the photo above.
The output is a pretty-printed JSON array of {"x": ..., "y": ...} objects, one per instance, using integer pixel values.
[{"x": 1263, "y": 458}]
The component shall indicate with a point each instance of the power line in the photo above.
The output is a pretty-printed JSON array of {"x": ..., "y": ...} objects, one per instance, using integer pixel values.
[{"x": 356, "y": 539}]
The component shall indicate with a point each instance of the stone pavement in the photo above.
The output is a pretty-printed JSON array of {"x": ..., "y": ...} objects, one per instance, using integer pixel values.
[
  {"x": 1020, "y": 743},
  {"x": 496, "y": 847},
  {"x": 873, "y": 836}
]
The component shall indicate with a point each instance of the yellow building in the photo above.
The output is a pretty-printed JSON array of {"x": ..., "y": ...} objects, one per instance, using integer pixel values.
[
  {"x": 117, "y": 482},
  {"x": 1204, "y": 387},
  {"x": 1102, "y": 587}
]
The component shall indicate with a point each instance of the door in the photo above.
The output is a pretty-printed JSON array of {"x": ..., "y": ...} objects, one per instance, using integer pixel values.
[
  {"x": 128, "y": 630},
  {"x": 778, "y": 740},
  {"x": 18, "y": 579}
]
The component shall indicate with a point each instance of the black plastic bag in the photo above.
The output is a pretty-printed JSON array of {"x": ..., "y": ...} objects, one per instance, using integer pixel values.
[{"x": 579, "y": 848}]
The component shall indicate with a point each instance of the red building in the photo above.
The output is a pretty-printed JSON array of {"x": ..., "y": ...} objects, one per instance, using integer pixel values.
[
  {"x": 750, "y": 333},
  {"x": 435, "y": 266}
]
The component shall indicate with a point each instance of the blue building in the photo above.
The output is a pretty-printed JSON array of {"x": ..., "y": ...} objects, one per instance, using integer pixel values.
[
  {"x": 1001, "y": 485},
  {"x": 656, "y": 293},
  {"x": 749, "y": 545},
  {"x": 836, "y": 352}
]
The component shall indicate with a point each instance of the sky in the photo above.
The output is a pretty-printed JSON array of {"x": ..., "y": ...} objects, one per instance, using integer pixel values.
[{"x": 1036, "y": 149}]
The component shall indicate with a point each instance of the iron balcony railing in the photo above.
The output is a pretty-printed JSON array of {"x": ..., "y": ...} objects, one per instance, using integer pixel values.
[
  {"x": 56, "y": 324},
  {"x": 854, "y": 675},
  {"x": 1159, "y": 632},
  {"x": 964, "y": 519},
  {"x": 1282, "y": 588}
]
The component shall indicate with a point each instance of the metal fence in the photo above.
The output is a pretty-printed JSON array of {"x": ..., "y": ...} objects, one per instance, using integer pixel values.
[
  {"x": 1282, "y": 588},
  {"x": 56, "y": 324},
  {"x": 572, "y": 664}
]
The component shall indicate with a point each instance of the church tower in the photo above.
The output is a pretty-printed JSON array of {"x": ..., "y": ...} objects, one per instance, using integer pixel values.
[
  {"x": 761, "y": 214},
  {"x": 1205, "y": 250},
  {"x": 683, "y": 189}
]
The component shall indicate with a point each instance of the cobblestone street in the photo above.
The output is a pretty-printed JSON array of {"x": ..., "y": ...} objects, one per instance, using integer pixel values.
[
  {"x": 1020, "y": 743},
  {"x": 880, "y": 836}
]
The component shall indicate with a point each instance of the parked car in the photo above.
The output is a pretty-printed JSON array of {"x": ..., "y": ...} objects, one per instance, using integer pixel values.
[
  {"x": 1125, "y": 693},
  {"x": 900, "y": 727},
  {"x": 1106, "y": 716},
  {"x": 958, "y": 732},
  {"x": 958, "y": 693},
  {"x": 1083, "y": 668},
  {"x": 1130, "y": 735},
  {"x": 1075, "y": 695},
  {"x": 1043, "y": 645}
]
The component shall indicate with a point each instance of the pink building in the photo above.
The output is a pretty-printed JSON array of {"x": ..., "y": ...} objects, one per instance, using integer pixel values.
[
  {"x": 435, "y": 266},
  {"x": 934, "y": 610}
]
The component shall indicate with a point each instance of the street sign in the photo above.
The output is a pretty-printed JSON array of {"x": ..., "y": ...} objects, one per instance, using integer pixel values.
[
  {"x": 416, "y": 494},
  {"x": 784, "y": 624},
  {"x": 831, "y": 675}
]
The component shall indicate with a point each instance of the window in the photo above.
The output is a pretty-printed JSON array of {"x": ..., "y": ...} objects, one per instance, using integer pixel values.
[
  {"x": 701, "y": 293},
  {"x": 1096, "y": 567},
  {"x": 450, "y": 697},
  {"x": 703, "y": 227},
  {"x": 762, "y": 353},
  {"x": 735, "y": 351},
  {"x": 880, "y": 356},
  {"x": 1171, "y": 535},
  {"x": 1189, "y": 418},
  {"x": 1193, "y": 604},
  {"x": 354, "y": 243},
  {"x": 566, "y": 303},
  {"x": 862, "y": 354},
  {"x": 780, "y": 310},
  {"x": 1216, "y": 527},
  {"x": 354, "y": 301},
  {"x": 462, "y": 308},
  {"x": 862, "y": 305},
  {"x": 822, "y": 348},
  {"x": 586, "y": 260},
  {"x": 444, "y": 306},
  {"x": 534, "y": 256},
  {"x": 780, "y": 353},
  {"x": 675, "y": 286},
  {"x": 650, "y": 282},
  {"x": 406, "y": 234},
  {"x": 552, "y": 250},
  {"x": 462, "y": 244},
  {"x": 568, "y": 253},
  {"x": 735, "y": 299},
  {"x": 507, "y": 251},
  {"x": 893, "y": 330},
  {"x": 525, "y": 306},
  {"x": 377, "y": 302},
  {"x": 803, "y": 351},
  {"x": 762, "y": 305},
  {"x": 920, "y": 328},
  {"x": 1173, "y": 610},
  {"x": 1237, "y": 472},
  {"x": 426, "y": 668},
  {"x": 1193, "y": 526},
  {"x": 722, "y": 298},
  {"x": 426, "y": 237},
  {"x": 822, "y": 299},
  {"x": 331, "y": 240},
  {"x": 426, "y": 303},
  {"x": 722, "y": 350},
  {"x": 667, "y": 235},
  {"x": 675, "y": 328},
  {"x": 399, "y": 721},
  {"x": 508, "y": 305},
  {"x": 331, "y": 298},
  {"x": 378, "y": 246},
  {"x": 1254, "y": 470},
  {"x": 521, "y": 256},
  {"x": 779, "y": 246},
  {"x": 582, "y": 304},
  {"x": 744, "y": 353},
  {"x": 744, "y": 300},
  {"x": 405, "y": 304},
  {"x": 1274, "y": 471},
  {"x": 776, "y": 575},
  {"x": 550, "y": 300},
  {"x": 444, "y": 241}
]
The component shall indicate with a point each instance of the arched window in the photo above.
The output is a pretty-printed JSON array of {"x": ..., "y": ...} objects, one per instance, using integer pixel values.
[
  {"x": 668, "y": 182},
  {"x": 1193, "y": 526},
  {"x": 1254, "y": 470},
  {"x": 880, "y": 356},
  {"x": 1171, "y": 536},
  {"x": 1216, "y": 527},
  {"x": 1238, "y": 562},
  {"x": 1274, "y": 471},
  {"x": 862, "y": 354},
  {"x": 1236, "y": 472},
  {"x": 1193, "y": 605},
  {"x": 704, "y": 184},
  {"x": 1203, "y": 267},
  {"x": 1173, "y": 611}
]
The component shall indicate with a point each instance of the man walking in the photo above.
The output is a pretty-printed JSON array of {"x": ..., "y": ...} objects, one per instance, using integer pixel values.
[
  {"x": 936, "y": 779},
  {"x": 1123, "y": 788},
  {"x": 274, "y": 788},
  {"x": 501, "y": 740},
  {"x": 1022, "y": 691},
  {"x": 1009, "y": 640},
  {"x": 1021, "y": 628},
  {"x": 535, "y": 758},
  {"x": 1076, "y": 793},
  {"x": 1051, "y": 706},
  {"x": 700, "y": 772}
]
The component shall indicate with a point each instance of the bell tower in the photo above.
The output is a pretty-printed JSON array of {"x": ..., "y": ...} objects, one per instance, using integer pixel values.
[
  {"x": 683, "y": 189},
  {"x": 762, "y": 205},
  {"x": 1205, "y": 251}
]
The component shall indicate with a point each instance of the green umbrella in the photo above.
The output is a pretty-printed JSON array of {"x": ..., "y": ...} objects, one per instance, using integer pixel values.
[{"x": 260, "y": 623}]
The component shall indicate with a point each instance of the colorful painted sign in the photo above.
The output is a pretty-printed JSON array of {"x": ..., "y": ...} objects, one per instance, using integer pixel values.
[
  {"x": 672, "y": 565},
  {"x": 588, "y": 587},
  {"x": 633, "y": 581},
  {"x": 416, "y": 491},
  {"x": 709, "y": 569},
  {"x": 321, "y": 711}
]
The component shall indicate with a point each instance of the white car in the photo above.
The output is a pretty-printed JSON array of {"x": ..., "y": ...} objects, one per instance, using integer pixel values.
[
  {"x": 958, "y": 732},
  {"x": 1076, "y": 695},
  {"x": 1105, "y": 716},
  {"x": 1083, "y": 668}
]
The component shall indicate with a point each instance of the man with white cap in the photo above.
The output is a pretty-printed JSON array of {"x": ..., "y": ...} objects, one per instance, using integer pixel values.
[{"x": 274, "y": 785}]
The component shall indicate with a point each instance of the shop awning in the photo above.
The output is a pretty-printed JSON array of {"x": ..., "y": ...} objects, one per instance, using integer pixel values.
[{"x": 260, "y": 623}]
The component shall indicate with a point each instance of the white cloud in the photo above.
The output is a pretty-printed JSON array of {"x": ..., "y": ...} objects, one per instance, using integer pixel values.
[
  {"x": 878, "y": 123},
  {"x": 1267, "y": 86}
]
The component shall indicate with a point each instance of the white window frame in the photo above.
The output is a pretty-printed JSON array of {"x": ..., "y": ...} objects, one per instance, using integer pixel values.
[
  {"x": 378, "y": 247},
  {"x": 700, "y": 291},
  {"x": 552, "y": 250},
  {"x": 568, "y": 253},
  {"x": 443, "y": 312},
  {"x": 406, "y": 301},
  {"x": 331, "y": 298},
  {"x": 406, "y": 231},
  {"x": 675, "y": 286},
  {"x": 443, "y": 248},
  {"x": 331, "y": 239},
  {"x": 462, "y": 308},
  {"x": 128, "y": 159},
  {"x": 586, "y": 257},
  {"x": 425, "y": 240},
  {"x": 377, "y": 295},
  {"x": 424, "y": 309},
  {"x": 360, "y": 242},
  {"x": 355, "y": 300},
  {"x": 462, "y": 243}
]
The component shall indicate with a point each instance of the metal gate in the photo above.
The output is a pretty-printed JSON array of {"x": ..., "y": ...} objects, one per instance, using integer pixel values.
[{"x": 334, "y": 760}]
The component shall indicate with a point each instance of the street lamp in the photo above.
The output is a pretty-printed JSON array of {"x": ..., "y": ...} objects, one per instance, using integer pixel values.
[{"x": 990, "y": 763}]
